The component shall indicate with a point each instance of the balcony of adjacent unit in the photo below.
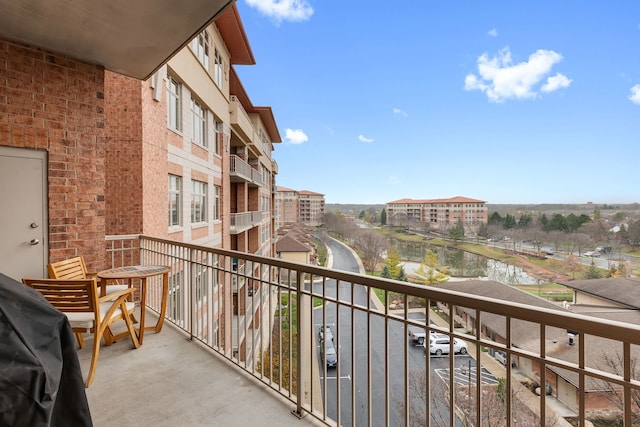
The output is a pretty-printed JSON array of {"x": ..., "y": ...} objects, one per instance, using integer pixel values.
[
  {"x": 513, "y": 364},
  {"x": 240, "y": 121},
  {"x": 241, "y": 171},
  {"x": 244, "y": 221}
]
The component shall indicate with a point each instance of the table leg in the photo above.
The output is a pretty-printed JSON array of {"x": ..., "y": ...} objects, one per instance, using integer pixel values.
[
  {"x": 143, "y": 307},
  {"x": 163, "y": 303}
]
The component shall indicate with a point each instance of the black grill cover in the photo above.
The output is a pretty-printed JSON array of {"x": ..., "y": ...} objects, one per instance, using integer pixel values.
[{"x": 40, "y": 378}]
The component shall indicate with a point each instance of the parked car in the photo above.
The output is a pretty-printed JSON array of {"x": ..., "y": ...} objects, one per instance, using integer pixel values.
[
  {"x": 325, "y": 333},
  {"x": 594, "y": 254},
  {"x": 441, "y": 345},
  {"x": 328, "y": 352},
  {"x": 501, "y": 357}
]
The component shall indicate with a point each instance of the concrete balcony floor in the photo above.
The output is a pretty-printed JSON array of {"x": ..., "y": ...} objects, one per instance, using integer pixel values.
[{"x": 171, "y": 381}]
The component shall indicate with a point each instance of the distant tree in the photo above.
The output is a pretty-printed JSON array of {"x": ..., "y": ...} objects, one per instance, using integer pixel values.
[
  {"x": 619, "y": 216},
  {"x": 509, "y": 222},
  {"x": 385, "y": 273},
  {"x": 392, "y": 262},
  {"x": 457, "y": 231},
  {"x": 593, "y": 272},
  {"x": 371, "y": 246},
  {"x": 361, "y": 215},
  {"x": 633, "y": 231},
  {"x": 573, "y": 265},
  {"x": 495, "y": 219},
  {"x": 402, "y": 276},
  {"x": 525, "y": 220},
  {"x": 383, "y": 217},
  {"x": 430, "y": 271},
  {"x": 544, "y": 222}
]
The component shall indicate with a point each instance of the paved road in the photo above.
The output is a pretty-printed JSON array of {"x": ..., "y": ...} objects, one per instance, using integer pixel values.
[{"x": 354, "y": 384}]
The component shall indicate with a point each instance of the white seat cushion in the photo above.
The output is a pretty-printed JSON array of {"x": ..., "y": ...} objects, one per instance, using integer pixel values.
[{"x": 85, "y": 320}]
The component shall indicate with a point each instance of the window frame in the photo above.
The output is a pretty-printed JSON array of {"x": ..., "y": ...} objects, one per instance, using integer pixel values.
[
  {"x": 218, "y": 68},
  {"x": 199, "y": 122},
  {"x": 200, "y": 46},
  {"x": 175, "y": 192},
  {"x": 198, "y": 202},
  {"x": 217, "y": 191},
  {"x": 174, "y": 104}
]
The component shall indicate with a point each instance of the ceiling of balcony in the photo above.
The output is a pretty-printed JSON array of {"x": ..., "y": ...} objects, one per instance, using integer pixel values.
[{"x": 133, "y": 38}]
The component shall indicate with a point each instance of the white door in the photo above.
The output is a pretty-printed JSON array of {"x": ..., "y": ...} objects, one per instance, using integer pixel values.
[{"x": 23, "y": 212}]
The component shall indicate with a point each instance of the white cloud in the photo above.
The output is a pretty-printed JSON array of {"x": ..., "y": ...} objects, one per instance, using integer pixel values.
[
  {"x": 635, "y": 94},
  {"x": 399, "y": 112},
  {"x": 493, "y": 32},
  {"x": 500, "y": 79},
  {"x": 556, "y": 82},
  {"x": 283, "y": 10},
  {"x": 364, "y": 138},
  {"x": 296, "y": 136}
]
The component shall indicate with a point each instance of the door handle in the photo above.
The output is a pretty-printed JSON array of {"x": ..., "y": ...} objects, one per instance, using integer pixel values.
[{"x": 34, "y": 241}]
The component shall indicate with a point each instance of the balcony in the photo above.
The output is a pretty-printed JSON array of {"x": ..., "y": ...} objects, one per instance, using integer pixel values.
[
  {"x": 239, "y": 170},
  {"x": 240, "y": 120},
  {"x": 194, "y": 372},
  {"x": 244, "y": 221}
]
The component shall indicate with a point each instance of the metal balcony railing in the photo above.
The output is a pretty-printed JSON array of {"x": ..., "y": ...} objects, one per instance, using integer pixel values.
[
  {"x": 241, "y": 169},
  {"x": 243, "y": 221},
  {"x": 545, "y": 370}
]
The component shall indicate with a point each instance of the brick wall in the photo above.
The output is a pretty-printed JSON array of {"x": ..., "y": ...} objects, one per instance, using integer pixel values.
[
  {"x": 123, "y": 112},
  {"x": 55, "y": 103}
]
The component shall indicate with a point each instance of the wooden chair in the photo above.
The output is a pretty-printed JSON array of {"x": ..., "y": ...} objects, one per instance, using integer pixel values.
[
  {"x": 75, "y": 268},
  {"x": 78, "y": 300}
]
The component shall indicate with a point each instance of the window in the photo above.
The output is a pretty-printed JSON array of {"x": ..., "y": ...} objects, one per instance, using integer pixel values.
[
  {"x": 216, "y": 201},
  {"x": 199, "y": 119},
  {"x": 200, "y": 46},
  {"x": 218, "y": 69},
  {"x": 173, "y": 104},
  {"x": 175, "y": 197},
  {"x": 199, "y": 202},
  {"x": 219, "y": 126}
]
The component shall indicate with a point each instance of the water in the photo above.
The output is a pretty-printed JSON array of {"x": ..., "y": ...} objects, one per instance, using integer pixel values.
[{"x": 465, "y": 264}]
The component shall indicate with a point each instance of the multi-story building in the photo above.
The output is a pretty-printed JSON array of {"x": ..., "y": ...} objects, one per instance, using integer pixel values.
[
  {"x": 311, "y": 207},
  {"x": 286, "y": 206},
  {"x": 438, "y": 213},
  {"x": 302, "y": 206},
  {"x": 183, "y": 154}
]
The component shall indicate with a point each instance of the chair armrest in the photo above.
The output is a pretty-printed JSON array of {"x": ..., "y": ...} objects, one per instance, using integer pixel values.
[
  {"x": 91, "y": 274},
  {"x": 115, "y": 295}
]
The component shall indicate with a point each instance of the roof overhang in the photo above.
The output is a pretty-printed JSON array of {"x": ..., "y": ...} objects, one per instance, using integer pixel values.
[
  {"x": 266, "y": 114},
  {"x": 133, "y": 38}
]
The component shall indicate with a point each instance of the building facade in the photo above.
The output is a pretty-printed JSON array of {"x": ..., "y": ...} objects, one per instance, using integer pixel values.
[
  {"x": 302, "y": 206},
  {"x": 182, "y": 154},
  {"x": 438, "y": 213}
]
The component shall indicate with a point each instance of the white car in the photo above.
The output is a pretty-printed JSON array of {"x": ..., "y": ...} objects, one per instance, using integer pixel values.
[
  {"x": 594, "y": 254},
  {"x": 501, "y": 357},
  {"x": 441, "y": 345}
]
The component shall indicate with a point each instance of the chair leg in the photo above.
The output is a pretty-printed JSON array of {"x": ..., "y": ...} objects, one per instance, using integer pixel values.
[
  {"x": 94, "y": 358},
  {"x": 132, "y": 331},
  {"x": 79, "y": 339}
]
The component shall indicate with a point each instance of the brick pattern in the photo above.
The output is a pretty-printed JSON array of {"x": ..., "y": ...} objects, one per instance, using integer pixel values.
[{"x": 54, "y": 103}]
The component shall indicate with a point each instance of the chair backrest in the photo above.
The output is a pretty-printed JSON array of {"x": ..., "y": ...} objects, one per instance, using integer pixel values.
[
  {"x": 68, "y": 296},
  {"x": 72, "y": 268}
]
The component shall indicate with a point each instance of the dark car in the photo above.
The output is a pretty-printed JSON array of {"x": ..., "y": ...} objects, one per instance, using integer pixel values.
[{"x": 328, "y": 351}]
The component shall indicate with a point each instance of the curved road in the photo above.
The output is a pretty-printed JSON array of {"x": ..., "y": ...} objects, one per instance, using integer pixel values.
[{"x": 375, "y": 329}]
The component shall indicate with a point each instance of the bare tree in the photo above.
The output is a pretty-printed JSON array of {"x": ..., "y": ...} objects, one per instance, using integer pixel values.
[
  {"x": 418, "y": 401},
  {"x": 614, "y": 362},
  {"x": 371, "y": 245}
]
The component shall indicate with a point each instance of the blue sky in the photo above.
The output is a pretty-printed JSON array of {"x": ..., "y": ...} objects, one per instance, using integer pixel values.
[{"x": 507, "y": 102}]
